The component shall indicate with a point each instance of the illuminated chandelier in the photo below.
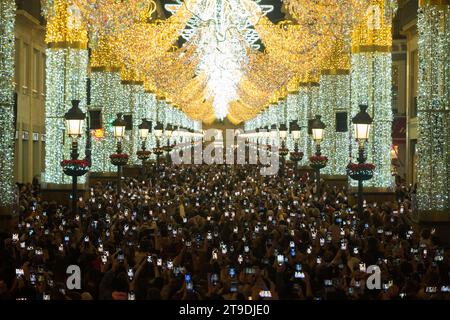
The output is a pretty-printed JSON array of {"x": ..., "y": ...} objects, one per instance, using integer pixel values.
[{"x": 223, "y": 33}]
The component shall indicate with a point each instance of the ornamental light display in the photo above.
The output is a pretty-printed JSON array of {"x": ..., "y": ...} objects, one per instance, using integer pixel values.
[
  {"x": 335, "y": 100},
  {"x": 66, "y": 73},
  {"x": 221, "y": 70},
  {"x": 371, "y": 65},
  {"x": 7, "y": 20},
  {"x": 433, "y": 101},
  {"x": 222, "y": 33},
  {"x": 105, "y": 94}
]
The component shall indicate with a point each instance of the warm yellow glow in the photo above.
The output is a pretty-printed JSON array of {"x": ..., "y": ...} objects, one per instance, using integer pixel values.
[
  {"x": 64, "y": 27},
  {"x": 374, "y": 33},
  {"x": 125, "y": 37}
]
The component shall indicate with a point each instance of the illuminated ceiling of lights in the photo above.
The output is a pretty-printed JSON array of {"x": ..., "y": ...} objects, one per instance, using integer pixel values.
[{"x": 216, "y": 58}]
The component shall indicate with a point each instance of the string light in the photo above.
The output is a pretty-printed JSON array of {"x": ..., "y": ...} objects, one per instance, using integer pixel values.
[
  {"x": 371, "y": 65},
  {"x": 433, "y": 142},
  {"x": 7, "y": 21},
  {"x": 335, "y": 97},
  {"x": 66, "y": 74}
]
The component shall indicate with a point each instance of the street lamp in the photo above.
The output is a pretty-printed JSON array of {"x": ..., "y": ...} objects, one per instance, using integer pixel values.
[
  {"x": 283, "y": 152},
  {"x": 318, "y": 161},
  {"x": 168, "y": 147},
  {"x": 296, "y": 156},
  {"x": 158, "y": 131},
  {"x": 74, "y": 118},
  {"x": 318, "y": 129},
  {"x": 362, "y": 171},
  {"x": 144, "y": 129},
  {"x": 283, "y": 132},
  {"x": 119, "y": 159},
  {"x": 273, "y": 132}
]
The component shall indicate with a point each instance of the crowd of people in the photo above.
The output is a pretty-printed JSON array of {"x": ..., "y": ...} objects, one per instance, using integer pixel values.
[{"x": 220, "y": 233}]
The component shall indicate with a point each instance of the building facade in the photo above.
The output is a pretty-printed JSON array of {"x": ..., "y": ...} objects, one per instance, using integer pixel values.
[{"x": 29, "y": 84}]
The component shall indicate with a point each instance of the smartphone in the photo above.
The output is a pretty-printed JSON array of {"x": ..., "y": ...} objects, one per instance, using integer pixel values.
[
  {"x": 280, "y": 259},
  {"x": 45, "y": 296},
  {"x": 362, "y": 267},
  {"x": 159, "y": 262},
  {"x": 32, "y": 278},
  {"x": 19, "y": 273},
  {"x": 214, "y": 279},
  {"x": 265, "y": 294},
  {"x": 131, "y": 296}
]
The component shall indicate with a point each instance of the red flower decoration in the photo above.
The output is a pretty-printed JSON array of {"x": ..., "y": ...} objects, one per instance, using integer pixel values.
[
  {"x": 318, "y": 159},
  {"x": 119, "y": 156},
  {"x": 75, "y": 163},
  {"x": 361, "y": 166}
]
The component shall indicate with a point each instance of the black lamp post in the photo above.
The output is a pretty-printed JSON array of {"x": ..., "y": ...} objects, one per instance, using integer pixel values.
[
  {"x": 296, "y": 155},
  {"x": 158, "y": 131},
  {"x": 283, "y": 152},
  {"x": 74, "y": 118},
  {"x": 144, "y": 130},
  {"x": 361, "y": 123},
  {"x": 120, "y": 159},
  {"x": 318, "y": 162},
  {"x": 168, "y": 147},
  {"x": 143, "y": 155}
]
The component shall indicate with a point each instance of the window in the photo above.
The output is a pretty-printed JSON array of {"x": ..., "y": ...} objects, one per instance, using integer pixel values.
[
  {"x": 17, "y": 63},
  {"x": 36, "y": 71},
  {"x": 26, "y": 67},
  {"x": 42, "y": 82}
]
